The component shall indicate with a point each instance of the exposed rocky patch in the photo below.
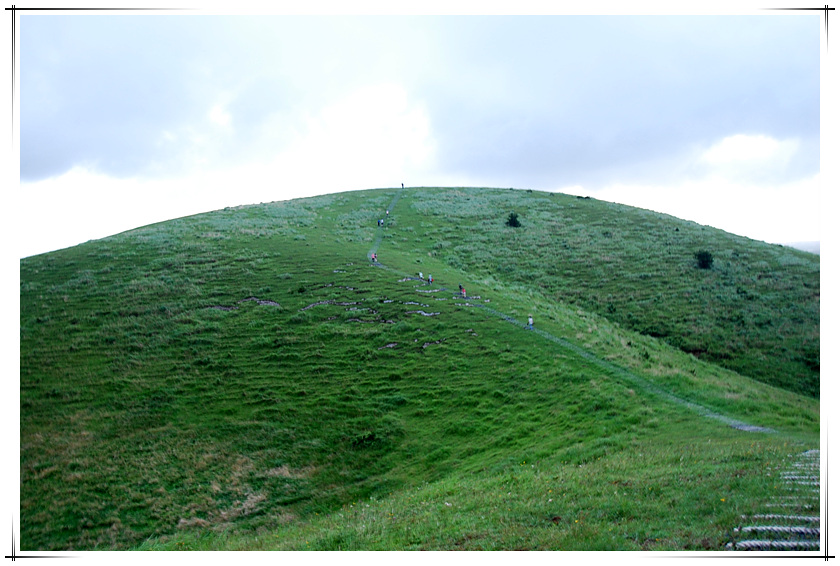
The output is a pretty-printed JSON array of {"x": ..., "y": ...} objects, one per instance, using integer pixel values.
[
  {"x": 331, "y": 302},
  {"x": 263, "y": 302}
]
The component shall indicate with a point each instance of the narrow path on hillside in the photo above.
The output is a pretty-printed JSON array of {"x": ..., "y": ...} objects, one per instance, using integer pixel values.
[
  {"x": 636, "y": 380},
  {"x": 380, "y": 231},
  {"x": 793, "y": 520},
  {"x": 613, "y": 369}
]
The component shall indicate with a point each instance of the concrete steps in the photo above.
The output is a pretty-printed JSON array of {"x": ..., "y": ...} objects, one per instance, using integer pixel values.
[{"x": 794, "y": 525}]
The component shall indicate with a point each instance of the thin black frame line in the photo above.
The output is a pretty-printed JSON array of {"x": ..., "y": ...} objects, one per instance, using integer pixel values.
[
  {"x": 823, "y": 9},
  {"x": 826, "y": 556},
  {"x": 13, "y": 9},
  {"x": 14, "y": 556}
]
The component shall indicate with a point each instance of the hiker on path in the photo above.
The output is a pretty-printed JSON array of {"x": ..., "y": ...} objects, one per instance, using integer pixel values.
[
  {"x": 463, "y": 292},
  {"x": 530, "y": 322},
  {"x": 421, "y": 276},
  {"x": 373, "y": 257},
  {"x": 430, "y": 279}
]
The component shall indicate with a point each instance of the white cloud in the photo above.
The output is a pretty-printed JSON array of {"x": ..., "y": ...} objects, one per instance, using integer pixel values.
[
  {"x": 750, "y": 157},
  {"x": 749, "y": 149},
  {"x": 218, "y": 115},
  {"x": 741, "y": 190},
  {"x": 71, "y": 209},
  {"x": 374, "y": 137},
  {"x": 778, "y": 214}
]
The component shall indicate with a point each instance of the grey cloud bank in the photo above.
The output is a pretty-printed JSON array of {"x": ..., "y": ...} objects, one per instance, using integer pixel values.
[
  {"x": 538, "y": 101},
  {"x": 615, "y": 99},
  {"x": 542, "y": 102}
]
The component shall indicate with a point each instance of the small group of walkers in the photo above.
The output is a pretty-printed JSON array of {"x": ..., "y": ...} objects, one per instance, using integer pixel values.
[
  {"x": 381, "y": 221},
  {"x": 430, "y": 278}
]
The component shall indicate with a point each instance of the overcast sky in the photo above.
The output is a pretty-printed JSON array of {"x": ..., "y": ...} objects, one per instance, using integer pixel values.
[{"x": 131, "y": 119}]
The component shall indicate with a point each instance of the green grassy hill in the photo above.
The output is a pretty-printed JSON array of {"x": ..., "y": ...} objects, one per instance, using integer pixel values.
[
  {"x": 248, "y": 379},
  {"x": 756, "y": 311}
]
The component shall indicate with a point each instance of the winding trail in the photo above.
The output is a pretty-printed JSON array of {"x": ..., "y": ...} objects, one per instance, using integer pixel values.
[
  {"x": 795, "y": 524},
  {"x": 636, "y": 380},
  {"x": 380, "y": 231},
  {"x": 613, "y": 369}
]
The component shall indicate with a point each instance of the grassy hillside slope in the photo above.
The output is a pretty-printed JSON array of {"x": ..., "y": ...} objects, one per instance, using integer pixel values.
[
  {"x": 247, "y": 379},
  {"x": 756, "y": 311}
]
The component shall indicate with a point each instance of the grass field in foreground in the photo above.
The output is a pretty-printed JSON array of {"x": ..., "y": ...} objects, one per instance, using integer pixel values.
[{"x": 246, "y": 379}]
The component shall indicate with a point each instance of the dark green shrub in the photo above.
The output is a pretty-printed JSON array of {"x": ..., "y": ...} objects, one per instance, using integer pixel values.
[
  {"x": 513, "y": 220},
  {"x": 704, "y": 259}
]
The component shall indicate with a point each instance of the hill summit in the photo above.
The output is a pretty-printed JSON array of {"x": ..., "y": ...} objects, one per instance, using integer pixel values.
[{"x": 254, "y": 378}]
